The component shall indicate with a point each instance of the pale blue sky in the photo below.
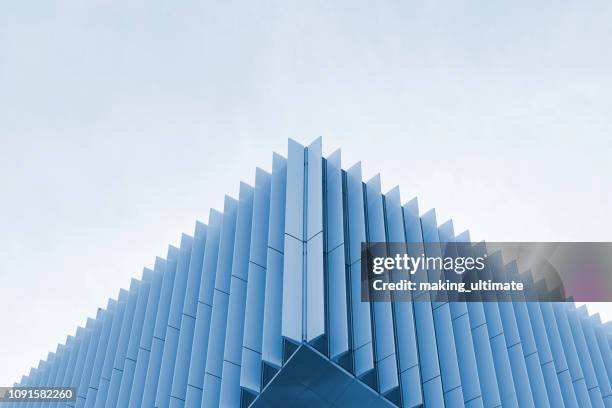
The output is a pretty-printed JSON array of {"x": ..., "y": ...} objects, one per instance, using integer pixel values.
[{"x": 121, "y": 123}]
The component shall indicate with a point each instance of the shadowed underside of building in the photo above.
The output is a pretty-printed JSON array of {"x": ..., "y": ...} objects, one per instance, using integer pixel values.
[{"x": 261, "y": 307}]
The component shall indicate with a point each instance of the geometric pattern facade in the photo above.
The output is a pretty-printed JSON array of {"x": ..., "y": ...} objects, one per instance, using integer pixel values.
[{"x": 261, "y": 307}]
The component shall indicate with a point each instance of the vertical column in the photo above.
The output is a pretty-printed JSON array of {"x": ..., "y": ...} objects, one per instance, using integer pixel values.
[
  {"x": 272, "y": 340},
  {"x": 424, "y": 323},
  {"x": 195, "y": 380},
  {"x": 464, "y": 345},
  {"x": 293, "y": 261},
  {"x": 161, "y": 328},
  {"x": 251, "y": 343},
  {"x": 334, "y": 250},
  {"x": 588, "y": 371},
  {"x": 188, "y": 313},
  {"x": 512, "y": 337},
  {"x": 85, "y": 376},
  {"x": 315, "y": 291},
  {"x": 384, "y": 335},
  {"x": 447, "y": 348},
  {"x": 104, "y": 367},
  {"x": 406, "y": 341},
  {"x": 118, "y": 362},
  {"x": 528, "y": 345},
  {"x": 363, "y": 353},
  {"x": 166, "y": 372},
  {"x": 74, "y": 355},
  {"x": 232, "y": 352},
  {"x": 216, "y": 341},
  {"x": 129, "y": 368},
  {"x": 497, "y": 339},
  {"x": 146, "y": 338},
  {"x": 482, "y": 350},
  {"x": 561, "y": 367},
  {"x": 80, "y": 362},
  {"x": 596, "y": 355}
]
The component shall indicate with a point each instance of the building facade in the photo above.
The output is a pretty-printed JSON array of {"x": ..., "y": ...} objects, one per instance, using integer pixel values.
[{"x": 261, "y": 307}]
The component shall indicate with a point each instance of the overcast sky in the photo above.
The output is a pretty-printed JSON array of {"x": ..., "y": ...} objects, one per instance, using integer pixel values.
[{"x": 122, "y": 122}]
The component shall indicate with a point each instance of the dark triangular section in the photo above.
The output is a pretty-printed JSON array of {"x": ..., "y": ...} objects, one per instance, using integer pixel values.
[
  {"x": 246, "y": 397},
  {"x": 288, "y": 349},
  {"x": 395, "y": 396},
  {"x": 320, "y": 344},
  {"x": 268, "y": 372},
  {"x": 370, "y": 380},
  {"x": 346, "y": 361}
]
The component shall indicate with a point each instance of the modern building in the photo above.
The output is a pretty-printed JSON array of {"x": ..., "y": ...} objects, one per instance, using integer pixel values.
[{"x": 261, "y": 307}]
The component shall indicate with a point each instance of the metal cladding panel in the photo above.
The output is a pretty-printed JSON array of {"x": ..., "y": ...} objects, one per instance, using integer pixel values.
[
  {"x": 383, "y": 314},
  {"x": 126, "y": 326},
  {"x": 198, "y": 359},
  {"x": 98, "y": 325},
  {"x": 194, "y": 276},
  {"x": 254, "y": 313},
  {"x": 520, "y": 376},
  {"x": 226, "y": 245},
  {"x": 528, "y": 345},
  {"x": 150, "y": 317},
  {"x": 461, "y": 341},
  {"x": 595, "y": 354},
  {"x": 74, "y": 355},
  {"x": 314, "y": 189},
  {"x": 230, "y": 385},
  {"x": 338, "y": 323},
  {"x": 170, "y": 346},
  {"x": 272, "y": 340},
  {"x": 293, "y": 264},
  {"x": 250, "y": 373},
  {"x": 230, "y": 378},
  {"x": 257, "y": 263},
  {"x": 558, "y": 355},
  {"x": 83, "y": 349},
  {"x": 165, "y": 298},
  {"x": 334, "y": 202},
  {"x": 314, "y": 270},
  {"x": 235, "y": 314},
  {"x": 356, "y": 212},
  {"x": 166, "y": 372},
  {"x": 253, "y": 328},
  {"x": 111, "y": 350},
  {"x": 361, "y": 336},
  {"x": 242, "y": 240},
  {"x": 216, "y": 341},
  {"x": 183, "y": 357},
  {"x": 362, "y": 328},
  {"x": 139, "y": 314},
  {"x": 278, "y": 190},
  {"x": 294, "y": 209},
  {"x": 336, "y": 260},
  {"x": 404, "y": 314},
  {"x": 260, "y": 219},
  {"x": 315, "y": 292},
  {"x": 59, "y": 357},
  {"x": 209, "y": 326},
  {"x": 584, "y": 358},
  {"x": 549, "y": 373},
  {"x": 480, "y": 353},
  {"x": 211, "y": 256},
  {"x": 604, "y": 346},
  {"x": 146, "y": 339},
  {"x": 180, "y": 282}
]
